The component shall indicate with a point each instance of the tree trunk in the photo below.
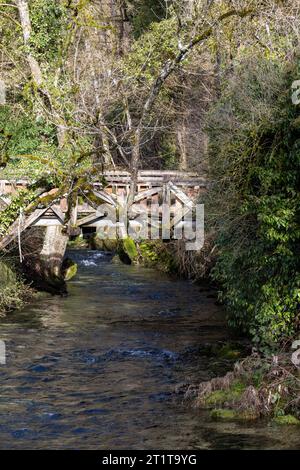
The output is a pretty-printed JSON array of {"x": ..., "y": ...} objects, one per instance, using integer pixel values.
[
  {"x": 44, "y": 251},
  {"x": 26, "y": 28},
  {"x": 35, "y": 69},
  {"x": 102, "y": 139},
  {"x": 181, "y": 138},
  {"x": 187, "y": 8}
]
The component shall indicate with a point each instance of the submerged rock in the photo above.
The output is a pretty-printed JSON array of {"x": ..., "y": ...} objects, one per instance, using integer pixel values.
[
  {"x": 258, "y": 386},
  {"x": 225, "y": 414}
]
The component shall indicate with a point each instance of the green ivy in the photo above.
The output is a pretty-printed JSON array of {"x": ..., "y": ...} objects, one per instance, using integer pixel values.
[
  {"x": 255, "y": 156},
  {"x": 19, "y": 202},
  {"x": 49, "y": 25}
]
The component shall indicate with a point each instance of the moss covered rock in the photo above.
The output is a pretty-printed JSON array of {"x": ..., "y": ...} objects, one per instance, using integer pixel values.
[
  {"x": 127, "y": 251},
  {"x": 116, "y": 260},
  {"x": 219, "y": 397},
  {"x": 103, "y": 244},
  {"x": 286, "y": 420},
  {"x": 130, "y": 248},
  {"x": 226, "y": 414},
  {"x": 78, "y": 243},
  {"x": 69, "y": 269},
  {"x": 157, "y": 254}
]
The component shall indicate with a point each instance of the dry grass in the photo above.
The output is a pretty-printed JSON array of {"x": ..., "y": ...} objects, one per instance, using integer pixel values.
[{"x": 260, "y": 386}]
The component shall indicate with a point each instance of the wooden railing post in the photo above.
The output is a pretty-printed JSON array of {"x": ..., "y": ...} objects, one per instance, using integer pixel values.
[{"x": 166, "y": 203}]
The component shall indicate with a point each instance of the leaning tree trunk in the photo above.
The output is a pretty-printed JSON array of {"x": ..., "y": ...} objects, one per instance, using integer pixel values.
[
  {"x": 26, "y": 29},
  {"x": 36, "y": 71}
]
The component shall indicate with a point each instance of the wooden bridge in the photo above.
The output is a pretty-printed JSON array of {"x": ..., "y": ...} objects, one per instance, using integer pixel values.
[{"x": 165, "y": 195}]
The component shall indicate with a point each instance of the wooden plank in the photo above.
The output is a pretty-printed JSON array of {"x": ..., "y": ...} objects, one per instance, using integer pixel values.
[
  {"x": 52, "y": 216},
  {"x": 116, "y": 174},
  {"x": 57, "y": 211},
  {"x": 145, "y": 194},
  {"x": 166, "y": 212},
  {"x": 181, "y": 195},
  {"x": 154, "y": 222},
  {"x": 42, "y": 222},
  {"x": 151, "y": 184},
  {"x": 107, "y": 198},
  {"x": 90, "y": 218},
  {"x": 180, "y": 214},
  {"x": 14, "y": 228}
]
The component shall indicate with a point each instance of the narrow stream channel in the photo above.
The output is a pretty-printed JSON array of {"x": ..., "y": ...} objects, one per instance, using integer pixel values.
[{"x": 97, "y": 369}]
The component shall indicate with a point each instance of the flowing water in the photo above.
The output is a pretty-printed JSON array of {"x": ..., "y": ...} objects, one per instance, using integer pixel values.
[{"x": 97, "y": 369}]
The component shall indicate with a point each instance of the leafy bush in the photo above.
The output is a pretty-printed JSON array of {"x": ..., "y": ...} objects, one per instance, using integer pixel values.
[
  {"x": 22, "y": 199},
  {"x": 48, "y": 19},
  {"x": 151, "y": 51},
  {"x": 255, "y": 162}
]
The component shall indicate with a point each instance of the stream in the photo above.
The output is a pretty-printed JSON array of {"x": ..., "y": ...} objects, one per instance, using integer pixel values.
[{"x": 98, "y": 369}]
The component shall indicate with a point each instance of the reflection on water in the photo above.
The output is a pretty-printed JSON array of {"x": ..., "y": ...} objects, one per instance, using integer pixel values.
[{"x": 97, "y": 370}]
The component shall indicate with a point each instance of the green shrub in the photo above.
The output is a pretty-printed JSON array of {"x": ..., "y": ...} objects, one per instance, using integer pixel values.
[
  {"x": 286, "y": 420},
  {"x": 255, "y": 163},
  {"x": 157, "y": 254},
  {"x": 13, "y": 292},
  {"x": 130, "y": 249}
]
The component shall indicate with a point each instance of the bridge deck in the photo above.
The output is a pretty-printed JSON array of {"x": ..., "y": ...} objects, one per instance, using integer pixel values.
[{"x": 172, "y": 194}]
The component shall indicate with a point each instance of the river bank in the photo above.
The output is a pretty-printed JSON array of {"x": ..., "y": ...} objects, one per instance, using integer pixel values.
[
  {"x": 257, "y": 387},
  {"x": 14, "y": 292}
]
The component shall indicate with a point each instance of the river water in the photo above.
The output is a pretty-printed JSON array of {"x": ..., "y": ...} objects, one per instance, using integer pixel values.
[{"x": 97, "y": 369}]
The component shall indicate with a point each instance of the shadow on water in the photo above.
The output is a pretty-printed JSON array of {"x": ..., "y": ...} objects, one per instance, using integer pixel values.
[{"x": 97, "y": 369}]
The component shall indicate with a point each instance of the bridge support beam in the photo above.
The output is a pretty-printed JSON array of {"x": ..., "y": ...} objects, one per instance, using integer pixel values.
[
  {"x": 53, "y": 251},
  {"x": 48, "y": 267}
]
